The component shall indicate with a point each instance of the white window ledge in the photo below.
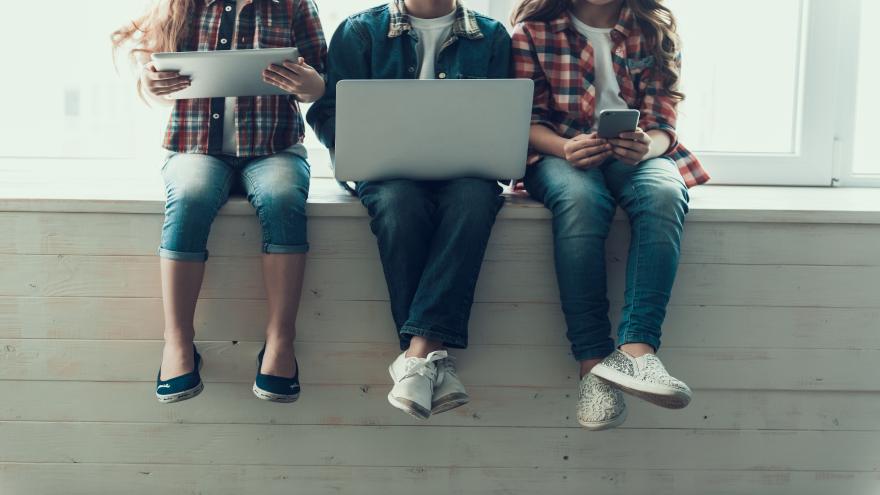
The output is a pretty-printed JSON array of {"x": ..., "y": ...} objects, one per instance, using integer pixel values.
[{"x": 102, "y": 187}]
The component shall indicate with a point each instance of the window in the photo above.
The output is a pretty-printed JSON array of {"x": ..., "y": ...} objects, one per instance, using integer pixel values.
[
  {"x": 778, "y": 93},
  {"x": 66, "y": 96},
  {"x": 857, "y": 138}
]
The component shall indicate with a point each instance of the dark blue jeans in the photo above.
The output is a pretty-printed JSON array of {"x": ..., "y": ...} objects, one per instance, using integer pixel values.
[
  {"x": 583, "y": 203},
  {"x": 432, "y": 236}
]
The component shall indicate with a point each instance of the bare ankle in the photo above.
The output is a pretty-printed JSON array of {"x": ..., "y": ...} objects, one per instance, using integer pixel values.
[
  {"x": 179, "y": 336},
  {"x": 637, "y": 349},
  {"x": 588, "y": 365},
  {"x": 421, "y": 347}
]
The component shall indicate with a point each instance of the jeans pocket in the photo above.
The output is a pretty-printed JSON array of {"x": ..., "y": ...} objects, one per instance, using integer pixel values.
[{"x": 168, "y": 158}]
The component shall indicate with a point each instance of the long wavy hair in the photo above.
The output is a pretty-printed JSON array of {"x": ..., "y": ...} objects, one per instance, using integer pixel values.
[
  {"x": 656, "y": 21},
  {"x": 161, "y": 28}
]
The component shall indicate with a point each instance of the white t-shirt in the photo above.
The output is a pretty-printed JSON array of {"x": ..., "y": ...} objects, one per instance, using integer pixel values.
[
  {"x": 607, "y": 87},
  {"x": 432, "y": 33},
  {"x": 229, "y": 144},
  {"x": 229, "y": 134}
]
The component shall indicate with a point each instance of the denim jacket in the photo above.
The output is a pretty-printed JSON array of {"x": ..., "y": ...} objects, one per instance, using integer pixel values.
[{"x": 379, "y": 43}]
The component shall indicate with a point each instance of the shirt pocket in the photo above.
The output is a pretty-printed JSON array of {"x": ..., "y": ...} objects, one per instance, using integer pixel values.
[
  {"x": 636, "y": 67},
  {"x": 275, "y": 32}
]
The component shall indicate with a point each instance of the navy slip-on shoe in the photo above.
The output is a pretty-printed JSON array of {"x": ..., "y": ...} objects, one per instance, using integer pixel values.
[
  {"x": 275, "y": 388},
  {"x": 182, "y": 387}
]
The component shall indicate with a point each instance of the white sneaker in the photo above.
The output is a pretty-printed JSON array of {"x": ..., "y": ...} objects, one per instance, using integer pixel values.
[
  {"x": 600, "y": 406},
  {"x": 449, "y": 393},
  {"x": 644, "y": 377},
  {"x": 414, "y": 380}
]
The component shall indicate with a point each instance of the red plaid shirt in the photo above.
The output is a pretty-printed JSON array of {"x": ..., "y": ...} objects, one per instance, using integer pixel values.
[
  {"x": 264, "y": 124},
  {"x": 561, "y": 62}
]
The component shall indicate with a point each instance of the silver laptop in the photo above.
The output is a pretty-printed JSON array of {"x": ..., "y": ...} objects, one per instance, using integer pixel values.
[{"x": 432, "y": 129}]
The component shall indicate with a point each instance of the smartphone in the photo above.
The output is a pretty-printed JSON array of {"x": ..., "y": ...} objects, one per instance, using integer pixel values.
[{"x": 614, "y": 122}]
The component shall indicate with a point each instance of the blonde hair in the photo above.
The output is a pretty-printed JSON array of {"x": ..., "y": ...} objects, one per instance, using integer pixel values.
[{"x": 165, "y": 25}]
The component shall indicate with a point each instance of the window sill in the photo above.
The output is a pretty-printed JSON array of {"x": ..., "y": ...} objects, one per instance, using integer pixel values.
[{"x": 113, "y": 187}]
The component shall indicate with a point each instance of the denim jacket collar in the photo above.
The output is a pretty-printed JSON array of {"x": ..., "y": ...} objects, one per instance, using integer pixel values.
[{"x": 465, "y": 25}]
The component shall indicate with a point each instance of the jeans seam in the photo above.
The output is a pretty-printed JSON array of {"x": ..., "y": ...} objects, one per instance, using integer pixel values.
[
  {"x": 475, "y": 274},
  {"x": 638, "y": 256},
  {"x": 263, "y": 227}
]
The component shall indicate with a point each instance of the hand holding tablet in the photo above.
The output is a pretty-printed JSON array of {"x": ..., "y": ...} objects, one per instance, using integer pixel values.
[
  {"x": 297, "y": 78},
  {"x": 215, "y": 74}
]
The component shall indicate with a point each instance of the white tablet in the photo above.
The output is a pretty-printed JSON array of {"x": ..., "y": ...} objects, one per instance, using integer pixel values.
[{"x": 226, "y": 72}]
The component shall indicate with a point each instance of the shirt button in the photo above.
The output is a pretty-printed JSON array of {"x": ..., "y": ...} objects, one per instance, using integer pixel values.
[
  {"x": 229, "y": 8},
  {"x": 442, "y": 75},
  {"x": 223, "y": 41},
  {"x": 411, "y": 70},
  {"x": 216, "y": 116}
]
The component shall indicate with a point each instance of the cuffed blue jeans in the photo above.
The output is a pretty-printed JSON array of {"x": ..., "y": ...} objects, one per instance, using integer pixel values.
[
  {"x": 432, "y": 236},
  {"x": 198, "y": 185},
  {"x": 583, "y": 203}
]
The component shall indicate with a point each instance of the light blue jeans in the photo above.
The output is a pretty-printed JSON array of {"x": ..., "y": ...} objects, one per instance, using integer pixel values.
[
  {"x": 583, "y": 203},
  {"x": 198, "y": 185}
]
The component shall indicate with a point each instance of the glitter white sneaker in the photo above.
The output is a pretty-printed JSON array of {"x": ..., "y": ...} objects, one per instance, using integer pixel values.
[
  {"x": 449, "y": 393},
  {"x": 414, "y": 380},
  {"x": 600, "y": 406},
  {"x": 644, "y": 377}
]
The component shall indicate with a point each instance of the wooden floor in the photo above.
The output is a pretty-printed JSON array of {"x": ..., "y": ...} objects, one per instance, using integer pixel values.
[{"x": 774, "y": 323}]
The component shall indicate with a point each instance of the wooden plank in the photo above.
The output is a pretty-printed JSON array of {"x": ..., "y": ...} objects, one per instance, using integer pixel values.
[
  {"x": 491, "y": 323},
  {"x": 515, "y": 240},
  {"x": 234, "y": 403},
  {"x": 341, "y": 279},
  {"x": 148, "y": 479},
  {"x": 366, "y": 364},
  {"x": 449, "y": 446}
]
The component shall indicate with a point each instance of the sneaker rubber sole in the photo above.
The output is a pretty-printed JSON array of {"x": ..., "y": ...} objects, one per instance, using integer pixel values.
[
  {"x": 604, "y": 425},
  {"x": 660, "y": 395},
  {"x": 181, "y": 396},
  {"x": 409, "y": 407},
  {"x": 269, "y": 396},
  {"x": 449, "y": 403}
]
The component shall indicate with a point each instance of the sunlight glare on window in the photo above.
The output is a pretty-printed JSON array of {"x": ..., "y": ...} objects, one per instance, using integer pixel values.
[
  {"x": 866, "y": 160},
  {"x": 740, "y": 75}
]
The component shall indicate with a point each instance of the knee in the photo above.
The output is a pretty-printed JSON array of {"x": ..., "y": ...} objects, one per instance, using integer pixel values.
[
  {"x": 477, "y": 200},
  {"x": 193, "y": 201},
  {"x": 663, "y": 197},
  {"x": 281, "y": 200},
  {"x": 395, "y": 204},
  {"x": 581, "y": 205}
]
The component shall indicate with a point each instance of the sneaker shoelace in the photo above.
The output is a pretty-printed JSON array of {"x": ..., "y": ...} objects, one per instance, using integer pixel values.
[
  {"x": 446, "y": 367},
  {"x": 425, "y": 367}
]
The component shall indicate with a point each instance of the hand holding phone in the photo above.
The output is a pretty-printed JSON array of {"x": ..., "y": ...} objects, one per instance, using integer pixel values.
[
  {"x": 630, "y": 144},
  {"x": 587, "y": 150},
  {"x": 632, "y": 148}
]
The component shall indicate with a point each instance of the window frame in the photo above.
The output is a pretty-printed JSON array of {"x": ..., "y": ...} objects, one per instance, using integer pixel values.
[
  {"x": 824, "y": 147},
  {"x": 846, "y": 115}
]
